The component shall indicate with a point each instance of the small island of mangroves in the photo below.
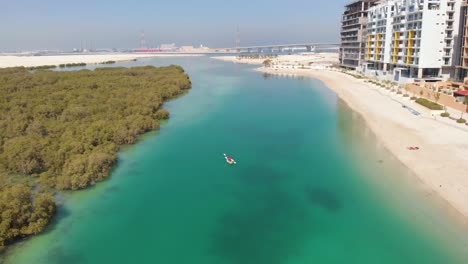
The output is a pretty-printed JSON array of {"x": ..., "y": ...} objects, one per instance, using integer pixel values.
[{"x": 62, "y": 131}]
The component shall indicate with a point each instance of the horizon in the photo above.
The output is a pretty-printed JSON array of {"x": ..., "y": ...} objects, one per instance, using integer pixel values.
[{"x": 55, "y": 25}]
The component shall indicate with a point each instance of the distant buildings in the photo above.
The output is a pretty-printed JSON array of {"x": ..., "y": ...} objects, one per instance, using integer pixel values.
[
  {"x": 353, "y": 33},
  {"x": 187, "y": 48},
  {"x": 194, "y": 49},
  {"x": 406, "y": 40},
  {"x": 168, "y": 47}
]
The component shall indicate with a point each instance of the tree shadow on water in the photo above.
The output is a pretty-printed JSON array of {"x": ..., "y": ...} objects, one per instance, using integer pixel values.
[
  {"x": 109, "y": 192},
  {"x": 323, "y": 198},
  {"x": 61, "y": 214},
  {"x": 59, "y": 255},
  {"x": 266, "y": 228}
]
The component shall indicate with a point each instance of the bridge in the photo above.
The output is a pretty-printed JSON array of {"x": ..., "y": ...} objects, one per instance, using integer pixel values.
[{"x": 284, "y": 47}]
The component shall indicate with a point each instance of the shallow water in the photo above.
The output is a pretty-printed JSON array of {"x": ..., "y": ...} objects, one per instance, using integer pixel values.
[{"x": 311, "y": 185}]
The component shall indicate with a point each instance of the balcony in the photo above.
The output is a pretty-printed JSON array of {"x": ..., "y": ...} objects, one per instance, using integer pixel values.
[
  {"x": 351, "y": 56},
  {"x": 350, "y": 41},
  {"x": 403, "y": 21},
  {"x": 348, "y": 18},
  {"x": 353, "y": 21},
  {"x": 350, "y": 30}
]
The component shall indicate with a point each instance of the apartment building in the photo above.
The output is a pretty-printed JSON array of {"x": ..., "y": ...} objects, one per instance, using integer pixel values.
[
  {"x": 410, "y": 40},
  {"x": 353, "y": 32},
  {"x": 462, "y": 71},
  {"x": 379, "y": 36}
]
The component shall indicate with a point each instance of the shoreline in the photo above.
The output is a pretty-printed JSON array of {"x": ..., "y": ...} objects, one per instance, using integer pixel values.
[
  {"x": 306, "y": 61},
  {"x": 7, "y": 61},
  {"x": 442, "y": 161}
]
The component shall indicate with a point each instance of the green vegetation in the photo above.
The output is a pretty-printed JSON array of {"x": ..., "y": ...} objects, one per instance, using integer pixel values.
[
  {"x": 68, "y": 65},
  {"x": 22, "y": 212},
  {"x": 267, "y": 63},
  {"x": 429, "y": 104},
  {"x": 436, "y": 96},
  {"x": 356, "y": 76},
  {"x": 108, "y": 62},
  {"x": 43, "y": 67},
  {"x": 461, "y": 121},
  {"x": 445, "y": 114},
  {"x": 406, "y": 87},
  {"x": 62, "y": 130}
]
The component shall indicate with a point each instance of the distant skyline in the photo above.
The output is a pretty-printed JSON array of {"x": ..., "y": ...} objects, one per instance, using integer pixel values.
[{"x": 63, "y": 25}]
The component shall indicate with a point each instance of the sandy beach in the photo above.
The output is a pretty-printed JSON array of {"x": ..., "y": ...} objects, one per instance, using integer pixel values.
[
  {"x": 31, "y": 61},
  {"x": 441, "y": 163},
  {"x": 306, "y": 60}
]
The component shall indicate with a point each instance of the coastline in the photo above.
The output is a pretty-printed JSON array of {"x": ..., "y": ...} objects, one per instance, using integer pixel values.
[
  {"x": 235, "y": 60},
  {"x": 316, "y": 60},
  {"x": 442, "y": 161},
  {"x": 33, "y": 61}
]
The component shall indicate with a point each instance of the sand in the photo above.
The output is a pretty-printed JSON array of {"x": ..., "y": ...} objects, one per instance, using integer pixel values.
[
  {"x": 29, "y": 61},
  {"x": 306, "y": 60},
  {"x": 441, "y": 163}
]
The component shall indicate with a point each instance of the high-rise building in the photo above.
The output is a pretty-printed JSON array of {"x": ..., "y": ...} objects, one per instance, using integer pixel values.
[
  {"x": 379, "y": 36},
  {"x": 410, "y": 40},
  {"x": 463, "y": 44},
  {"x": 353, "y": 32}
]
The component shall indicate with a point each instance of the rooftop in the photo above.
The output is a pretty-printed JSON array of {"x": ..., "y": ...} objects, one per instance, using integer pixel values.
[{"x": 360, "y": 1}]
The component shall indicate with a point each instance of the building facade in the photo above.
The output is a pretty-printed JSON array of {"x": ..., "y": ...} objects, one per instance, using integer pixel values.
[
  {"x": 462, "y": 71},
  {"x": 379, "y": 36},
  {"x": 353, "y": 33},
  {"x": 410, "y": 40}
]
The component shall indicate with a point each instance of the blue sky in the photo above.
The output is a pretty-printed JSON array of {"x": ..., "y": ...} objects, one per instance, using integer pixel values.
[{"x": 53, "y": 24}]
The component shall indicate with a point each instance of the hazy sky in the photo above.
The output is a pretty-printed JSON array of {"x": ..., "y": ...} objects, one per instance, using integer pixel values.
[{"x": 64, "y": 24}]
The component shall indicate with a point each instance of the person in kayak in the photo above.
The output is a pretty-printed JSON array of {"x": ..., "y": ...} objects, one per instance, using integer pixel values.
[{"x": 229, "y": 159}]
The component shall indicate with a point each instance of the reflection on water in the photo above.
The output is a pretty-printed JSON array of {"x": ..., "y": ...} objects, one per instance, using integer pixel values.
[{"x": 285, "y": 76}]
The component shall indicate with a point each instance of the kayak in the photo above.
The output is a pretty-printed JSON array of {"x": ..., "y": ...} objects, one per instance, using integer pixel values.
[{"x": 229, "y": 160}]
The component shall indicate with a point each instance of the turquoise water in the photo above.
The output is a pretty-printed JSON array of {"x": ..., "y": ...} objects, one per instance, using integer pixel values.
[{"x": 311, "y": 185}]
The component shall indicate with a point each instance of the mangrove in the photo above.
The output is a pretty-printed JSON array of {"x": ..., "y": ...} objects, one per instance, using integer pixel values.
[{"x": 61, "y": 130}]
